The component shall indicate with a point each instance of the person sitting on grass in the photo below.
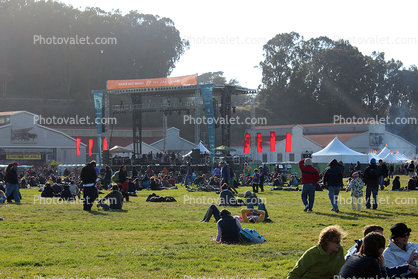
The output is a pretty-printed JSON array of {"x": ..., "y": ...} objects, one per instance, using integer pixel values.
[
  {"x": 115, "y": 199},
  {"x": 66, "y": 194},
  {"x": 396, "y": 184},
  {"x": 356, "y": 247},
  {"x": 3, "y": 197},
  {"x": 227, "y": 197},
  {"x": 47, "y": 191},
  {"x": 367, "y": 263},
  {"x": 323, "y": 260},
  {"x": 228, "y": 228}
]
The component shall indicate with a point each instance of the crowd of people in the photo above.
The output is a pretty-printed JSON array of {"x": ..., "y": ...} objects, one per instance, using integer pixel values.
[{"x": 367, "y": 258}]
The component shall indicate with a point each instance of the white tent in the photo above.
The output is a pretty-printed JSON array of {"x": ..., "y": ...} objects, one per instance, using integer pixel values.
[
  {"x": 201, "y": 147},
  {"x": 402, "y": 157},
  {"x": 337, "y": 150},
  {"x": 383, "y": 153},
  {"x": 391, "y": 158}
]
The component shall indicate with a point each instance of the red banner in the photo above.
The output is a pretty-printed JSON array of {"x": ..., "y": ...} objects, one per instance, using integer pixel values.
[
  {"x": 78, "y": 141},
  {"x": 288, "y": 142},
  {"x": 151, "y": 82},
  {"x": 90, "y": 146},
  {"x": 247, "y": 143},
  {"x": 259, "y": 143},
  {"x": 105, "y": 144},
  {"x": 272, "y": 141}
]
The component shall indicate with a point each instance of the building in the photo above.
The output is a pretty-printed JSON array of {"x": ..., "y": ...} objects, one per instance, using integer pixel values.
[
  {"x": 23, "y": 140},
  {"x": 310, "y": 138}
]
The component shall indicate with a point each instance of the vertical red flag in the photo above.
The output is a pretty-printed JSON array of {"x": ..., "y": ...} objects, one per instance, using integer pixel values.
[
  {"x": 288, "y": 142},
  {"x": 247, "y": 143},
  {"x": 90, "y": 146},
  {"x": 104, "y": 144},
  {"x": 259, "y": 143},
  {"x": 272, "y": 141},
  {"x": 78, "y": 141}
]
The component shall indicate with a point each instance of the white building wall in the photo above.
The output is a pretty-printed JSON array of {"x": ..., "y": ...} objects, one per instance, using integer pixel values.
[{"x": 63, "y": 145}]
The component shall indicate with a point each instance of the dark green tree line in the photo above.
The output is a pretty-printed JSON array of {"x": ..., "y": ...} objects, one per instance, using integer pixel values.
[{"x": 135, "y": 46}]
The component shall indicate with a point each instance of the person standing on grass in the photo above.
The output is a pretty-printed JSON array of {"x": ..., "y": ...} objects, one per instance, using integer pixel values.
[
  {"x": 356, "y": 186},
  {"x": 12, "y": 183},
  {"x": 310, "y": 176},
  {"x": 383, "y": 173},
  {"x": 333, "y": 178},
  {"x": 88, "y": 177},
  {"x": 371, "y": 179}
]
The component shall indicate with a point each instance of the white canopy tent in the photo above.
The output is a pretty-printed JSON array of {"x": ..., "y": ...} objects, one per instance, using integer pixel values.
[
  {"x": 391, "y": 158},
  {"x": 201, "y": 147},
  {"x": 383, "y": 153},
  {"x": 337, "y": 150}
]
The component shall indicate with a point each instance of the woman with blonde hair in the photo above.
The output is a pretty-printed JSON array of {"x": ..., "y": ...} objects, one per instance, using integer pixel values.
[{"x": 323, "y": 260}]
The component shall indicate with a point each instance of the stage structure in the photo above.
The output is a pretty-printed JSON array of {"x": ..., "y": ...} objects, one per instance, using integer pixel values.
[{"x": 172, "y": 91}]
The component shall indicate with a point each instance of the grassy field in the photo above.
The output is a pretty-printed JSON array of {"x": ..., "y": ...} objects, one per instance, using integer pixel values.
[{"x": 43, "y": 238}]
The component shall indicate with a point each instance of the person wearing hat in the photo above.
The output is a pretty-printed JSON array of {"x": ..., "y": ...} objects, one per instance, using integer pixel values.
[
  {"x": 356, "y": 186},
  {"x": 310, "y": 176},
  {"x": 401, "y": 255},
  {"x": 371, "y": 179},
  {"x": 12, "y": 183},
  {"x": 115, "y": 197}
]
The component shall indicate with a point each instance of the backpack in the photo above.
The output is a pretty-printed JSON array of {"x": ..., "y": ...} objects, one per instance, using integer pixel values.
[
  {"x": 335, "y": 177},
  {"x": 231, "y": 172},
  {"x": 250, "y": 236},
  {"x": 373, "y": 173},
  {"x": 115, "y": 177}
]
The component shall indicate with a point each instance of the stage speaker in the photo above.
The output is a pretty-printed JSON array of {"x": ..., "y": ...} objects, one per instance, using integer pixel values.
[
  {"x": 195, "y": 156},
  {"x": 106, "y": 157}
]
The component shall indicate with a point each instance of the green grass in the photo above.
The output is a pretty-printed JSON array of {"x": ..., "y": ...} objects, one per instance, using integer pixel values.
[{"x": 164, "y": 240}]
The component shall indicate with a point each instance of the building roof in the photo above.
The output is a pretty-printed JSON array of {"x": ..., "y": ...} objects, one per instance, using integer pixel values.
[{"x": 325, "y": 138}]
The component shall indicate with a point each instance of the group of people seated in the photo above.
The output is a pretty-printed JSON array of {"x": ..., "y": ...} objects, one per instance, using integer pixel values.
[
  {"x": 368, "y": 258},
  {"x": 228, "y": 226}
]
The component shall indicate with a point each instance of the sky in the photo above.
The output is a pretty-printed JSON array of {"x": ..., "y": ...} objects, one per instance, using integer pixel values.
[{"x": 229, "y": 35}]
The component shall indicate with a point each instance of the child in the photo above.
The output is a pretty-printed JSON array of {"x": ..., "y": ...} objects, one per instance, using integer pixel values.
[
  {"x": 256, "y": 181},
  {"x": 356, "y": 187}
]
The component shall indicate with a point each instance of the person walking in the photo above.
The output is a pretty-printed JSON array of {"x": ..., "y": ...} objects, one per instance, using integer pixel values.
[
  {"x": 333, "y": 178},
  {"x": 383, "y": 173},
  {"x": 12, "y": 183},
  {"x": 356, "y": 187},
  {"x": 371, "y": 179},
  {"x": 310, "y": 176}
]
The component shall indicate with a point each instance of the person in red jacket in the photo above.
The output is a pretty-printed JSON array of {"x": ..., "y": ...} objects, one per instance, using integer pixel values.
[{"x": 310, "y": 176}]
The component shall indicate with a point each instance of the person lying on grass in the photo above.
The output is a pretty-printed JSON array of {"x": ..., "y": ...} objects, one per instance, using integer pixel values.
[{"x": 248, "y": 215}]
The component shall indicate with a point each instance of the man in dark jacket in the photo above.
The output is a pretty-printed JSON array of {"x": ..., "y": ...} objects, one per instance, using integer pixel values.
[
  {"x": 371, "y": 179},
  {"x": 383, "y": 173},
  {"x": 88, "y": 177},
  {"x": 333, "y": 178},
  {"x": 12, "y": 183}
]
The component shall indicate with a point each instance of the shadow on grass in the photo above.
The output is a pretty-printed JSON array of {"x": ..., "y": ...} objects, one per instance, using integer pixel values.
[{"x": 355, "y": 215}]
